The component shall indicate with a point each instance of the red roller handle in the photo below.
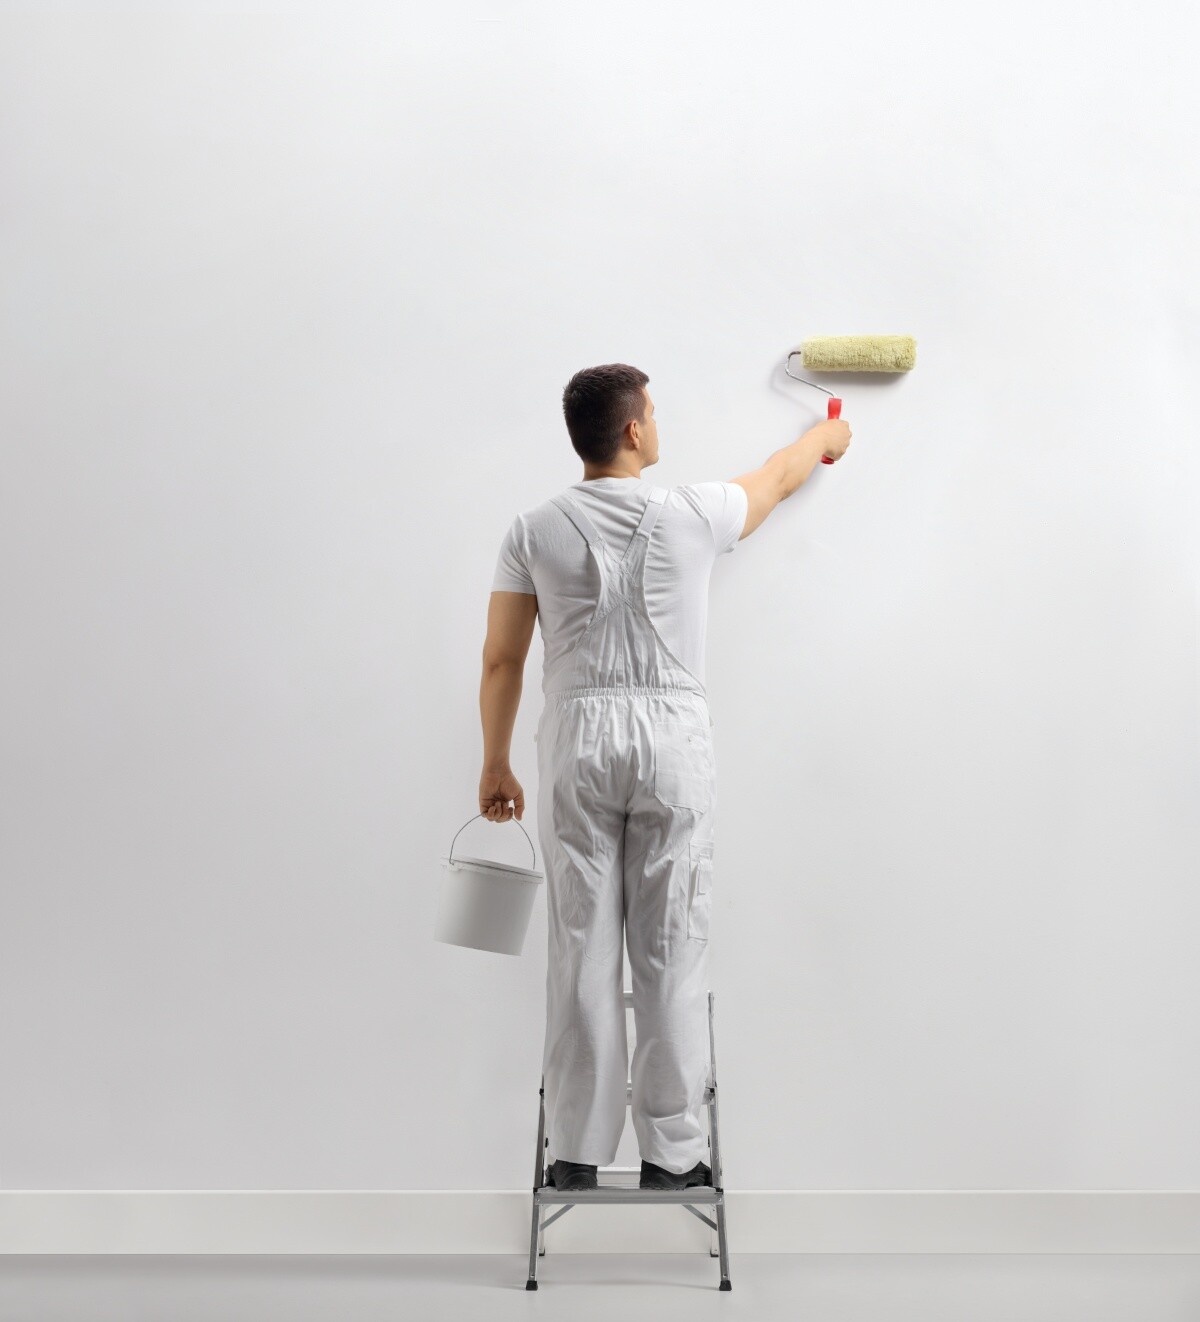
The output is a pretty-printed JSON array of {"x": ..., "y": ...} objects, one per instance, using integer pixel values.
[{"x": 835, "y": 411}]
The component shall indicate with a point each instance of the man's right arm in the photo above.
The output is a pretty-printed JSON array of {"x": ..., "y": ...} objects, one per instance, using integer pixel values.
[{"x": 783, "y": 472}]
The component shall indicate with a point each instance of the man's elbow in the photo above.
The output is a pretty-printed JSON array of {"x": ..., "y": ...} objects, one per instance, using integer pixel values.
[{"x": 494, "y": 660}]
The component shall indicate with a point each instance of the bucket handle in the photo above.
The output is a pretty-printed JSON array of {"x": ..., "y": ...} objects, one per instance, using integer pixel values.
[{"x": 468, "y": 822}]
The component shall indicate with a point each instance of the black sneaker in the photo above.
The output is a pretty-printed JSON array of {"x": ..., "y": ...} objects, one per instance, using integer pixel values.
[
  {"x": 654, "y": 1177},
  {"x": 569, "y": 1175}
]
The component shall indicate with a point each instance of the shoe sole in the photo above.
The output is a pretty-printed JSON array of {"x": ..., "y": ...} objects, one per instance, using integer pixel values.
[
  {"x": 699, "y": 1183},
  {"x": 675, "y": 1188}
]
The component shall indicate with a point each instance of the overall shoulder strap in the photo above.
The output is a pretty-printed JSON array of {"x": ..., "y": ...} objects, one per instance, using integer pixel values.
[
  {"x": 574, "y": 512},
  {"x": 650, "y": 513},
  {"x": 654, "y": 504}
]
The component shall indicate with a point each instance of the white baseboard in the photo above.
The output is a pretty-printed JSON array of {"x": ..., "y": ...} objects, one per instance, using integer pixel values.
[{"x": 499, "y": 1221}]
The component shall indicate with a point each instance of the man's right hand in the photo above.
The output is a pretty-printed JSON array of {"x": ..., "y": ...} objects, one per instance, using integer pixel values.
[{"x": 834, "y": 434}]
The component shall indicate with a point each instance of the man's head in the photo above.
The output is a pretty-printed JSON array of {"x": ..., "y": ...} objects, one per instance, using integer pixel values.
[{"x": 610, "y": 419}]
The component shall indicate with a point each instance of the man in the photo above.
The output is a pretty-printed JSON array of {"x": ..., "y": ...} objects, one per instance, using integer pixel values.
[{"x": 617, "y": 571}]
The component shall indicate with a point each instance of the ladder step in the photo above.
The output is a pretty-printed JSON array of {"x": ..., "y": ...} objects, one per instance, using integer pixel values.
[{"x": 616, "y": 1193}]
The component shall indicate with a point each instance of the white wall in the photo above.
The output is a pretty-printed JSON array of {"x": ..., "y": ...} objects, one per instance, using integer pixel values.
[{"x": 290, "y": 297}]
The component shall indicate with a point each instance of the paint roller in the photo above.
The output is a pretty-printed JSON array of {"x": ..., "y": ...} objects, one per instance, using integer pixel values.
[{"x": 852, "y": 353}]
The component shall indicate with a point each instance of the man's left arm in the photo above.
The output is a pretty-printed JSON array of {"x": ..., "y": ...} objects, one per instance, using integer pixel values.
[{"x": 511, "y": 617}]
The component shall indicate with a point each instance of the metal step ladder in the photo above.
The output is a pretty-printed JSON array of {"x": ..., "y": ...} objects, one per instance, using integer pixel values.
[{"x": 619, "y": 1184}]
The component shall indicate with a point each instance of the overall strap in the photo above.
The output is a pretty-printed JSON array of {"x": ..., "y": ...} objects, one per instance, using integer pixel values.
[
  {"x": 654, "y": 504},
  {"x": 573, "y": 512}
]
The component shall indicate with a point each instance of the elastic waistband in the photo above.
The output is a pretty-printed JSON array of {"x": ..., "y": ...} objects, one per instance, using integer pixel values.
[{"x": 624, "y": 690}]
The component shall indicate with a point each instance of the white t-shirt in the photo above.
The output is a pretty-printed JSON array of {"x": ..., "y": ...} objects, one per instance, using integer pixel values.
[{"x": 543, "y": 553}]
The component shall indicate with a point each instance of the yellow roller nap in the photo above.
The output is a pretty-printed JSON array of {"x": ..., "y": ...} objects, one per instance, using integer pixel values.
[{"x": 859, "y": 353}]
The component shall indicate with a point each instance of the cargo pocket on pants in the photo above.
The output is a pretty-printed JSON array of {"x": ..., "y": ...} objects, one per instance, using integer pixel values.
[
  {"x": 683, "y": 765},
  {"x": 700, "y": 889}
]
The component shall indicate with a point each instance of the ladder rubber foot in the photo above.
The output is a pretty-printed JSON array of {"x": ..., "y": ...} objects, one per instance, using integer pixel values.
[
  {"x": 726, "y": 1284},
  {"x": 532, "y": 1285}
]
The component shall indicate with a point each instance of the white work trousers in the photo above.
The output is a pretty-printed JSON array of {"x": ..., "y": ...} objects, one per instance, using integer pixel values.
[{"x": 626, "y": 804}]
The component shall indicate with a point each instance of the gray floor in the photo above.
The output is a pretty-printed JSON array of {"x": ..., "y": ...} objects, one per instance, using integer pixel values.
[{"x": 872, "y": 1287}]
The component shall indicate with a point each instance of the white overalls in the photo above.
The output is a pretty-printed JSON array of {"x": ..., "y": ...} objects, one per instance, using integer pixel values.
[{"x": 626, "y": 798}]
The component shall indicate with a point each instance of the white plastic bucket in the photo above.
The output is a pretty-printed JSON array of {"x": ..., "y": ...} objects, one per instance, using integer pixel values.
[{"x": 484, "y": 904}]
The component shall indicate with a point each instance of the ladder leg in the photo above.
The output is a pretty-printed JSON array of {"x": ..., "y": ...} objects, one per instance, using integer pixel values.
[
  {"x": 718, "y": 1174},
  {"x": 536, "y": 1236},
  {"x": 542, "y": 1228},
  {"x": 726, "y": 1283},
  {"x": 531, "y": 1282},
  {"x": 713, "y": 1239}
]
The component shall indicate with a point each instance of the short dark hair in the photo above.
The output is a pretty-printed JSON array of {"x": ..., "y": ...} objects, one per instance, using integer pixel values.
[{"x": 598, "y": 404}]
